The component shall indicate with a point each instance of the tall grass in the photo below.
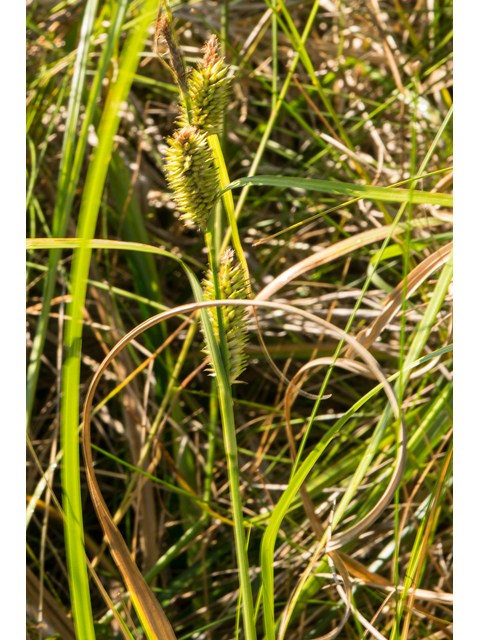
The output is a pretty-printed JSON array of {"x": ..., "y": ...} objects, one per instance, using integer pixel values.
[{"x": 312, "y": 495}]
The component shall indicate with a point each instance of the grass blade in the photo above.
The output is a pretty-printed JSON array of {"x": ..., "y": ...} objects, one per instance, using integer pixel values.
[
  {"x": 384, "y": 194},
  {"x": 71, "y": 372},
  {"x": 70, "y": 167}
]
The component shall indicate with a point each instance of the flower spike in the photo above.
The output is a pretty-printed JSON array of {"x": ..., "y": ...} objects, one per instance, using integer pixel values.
[
  {"x": 191, "y": 174},
  {"x": 233, "y": 286},
  {"x": 208, "y": 91}
]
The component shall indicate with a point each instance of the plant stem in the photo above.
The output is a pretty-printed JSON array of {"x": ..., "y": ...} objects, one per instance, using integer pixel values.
[{"x": 225, "y": 398}]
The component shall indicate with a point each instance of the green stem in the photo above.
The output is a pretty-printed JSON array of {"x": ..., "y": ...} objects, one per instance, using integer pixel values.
[
  {"x": 228, "y": 423},
  {"x": 271, "y": 121},
  {"x": 220, "y": 366},
  {"x": 227, "y": 197}
]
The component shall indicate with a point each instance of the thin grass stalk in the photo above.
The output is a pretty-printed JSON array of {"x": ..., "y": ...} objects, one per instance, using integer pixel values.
[
  {"x": 36, "y": 162},
  {"x": 414, "y": 352},
  {"x": 274, "y": 58},
  {"x": 420, "y": 338},
  {"x": 271, "y": 121},
  {"x": 406, "y": 260},
  {"x": 78, "y": 577},
  {"x": 415, "y": 567},
  {"x": 226, "y": 407},
  {"x": 224, "y": 22},
  {"x": 298, "y": 44}
]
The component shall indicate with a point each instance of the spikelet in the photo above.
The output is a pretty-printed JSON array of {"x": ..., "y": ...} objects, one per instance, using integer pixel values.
[
  {"x": 233, "y": 286},
  {"x": 163, "y": 29},
  {"x": 191, "y": 174},
  {"x": 208, "y": 90}
]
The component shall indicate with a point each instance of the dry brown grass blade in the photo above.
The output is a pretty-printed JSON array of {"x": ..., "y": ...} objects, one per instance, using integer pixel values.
[
  {"x": 53, "y": 614},
  {"x": 333, "y": 252},
  {"x": 148, "y": 608},
  {"x": 405, "y": 289}
]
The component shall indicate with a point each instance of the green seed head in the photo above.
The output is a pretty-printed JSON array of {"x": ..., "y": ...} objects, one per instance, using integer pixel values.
[
  {"x": 208, "y": 90},
  {"x": 191, "y": 174},
  {"x": 233, "y": 286}
]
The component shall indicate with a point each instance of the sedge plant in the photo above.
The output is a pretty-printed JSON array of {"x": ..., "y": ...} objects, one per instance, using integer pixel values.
[{"x": 194, "y": 169}]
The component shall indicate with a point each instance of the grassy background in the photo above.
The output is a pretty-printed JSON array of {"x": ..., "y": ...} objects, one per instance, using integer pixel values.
[{"x": 356, "y": 93}]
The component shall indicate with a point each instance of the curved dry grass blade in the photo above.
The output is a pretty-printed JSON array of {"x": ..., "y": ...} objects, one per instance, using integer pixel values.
[
  {"x": 152, "y": 616},
  {"x": 319, "y": 362},
  {"x": 404, "y": 289},
  {"x": 336, "y": 251},
  {"x": 338, "y": 558},
  {"x": 353, "y": 532}
]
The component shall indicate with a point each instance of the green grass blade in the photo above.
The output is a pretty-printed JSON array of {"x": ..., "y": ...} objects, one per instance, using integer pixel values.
[
  {"x": 273, "y": 116},
  {"x": 69, "y": 172},
  {"x": 384, "y": 194},
  {"x": 270, "y": 535},
  {"x": 420, "y": 338},
  {"x": 71, "y": 373}
]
